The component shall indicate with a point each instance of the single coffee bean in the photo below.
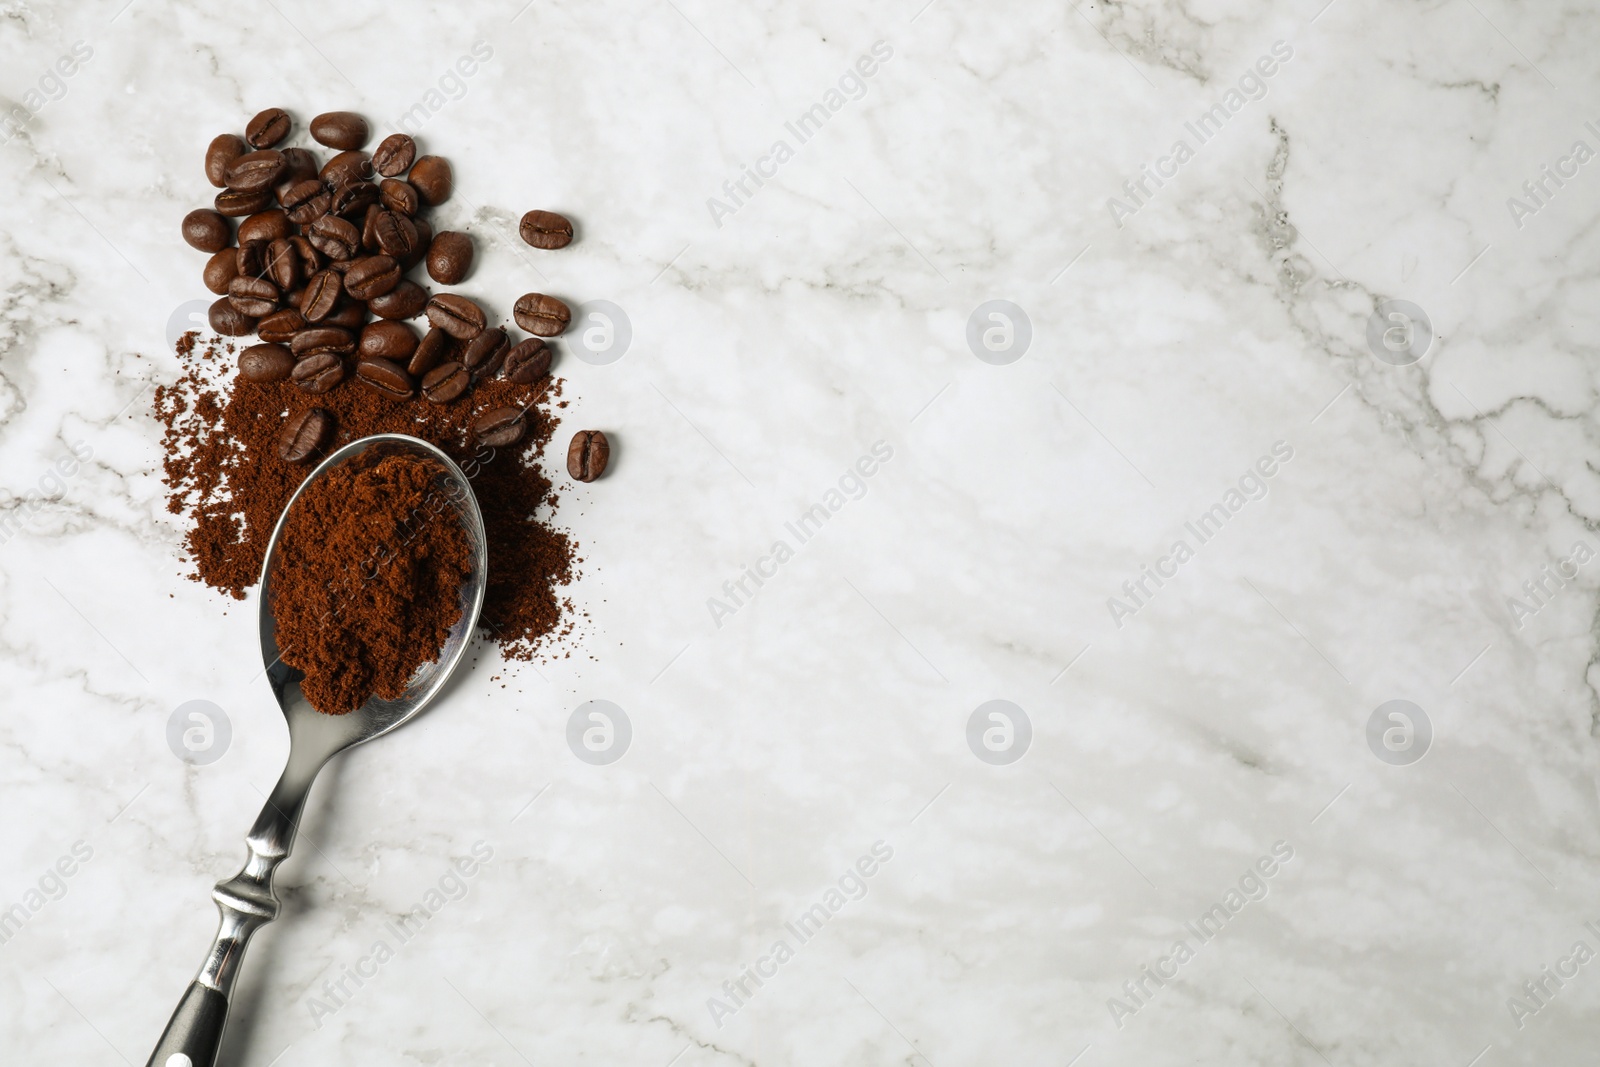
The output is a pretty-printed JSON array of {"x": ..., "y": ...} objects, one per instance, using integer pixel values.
[
  {"x": 388, "y": 340},
  {"x": 221, "y": 268},
  {"x": 424, "y": 231},
  {"x": 220, "y": 154},
  {"x": 528, "y": 362},
  {"x": 281, "y": 326},
  {"x": 346, "y": 167},
  {"x": 588, "y": 455},
  {"x": 267, "y": 128},
  {"x": 352, "y": 200},
  {"x": 499, "y": 427},
  {"x": 319, "y": 373},
  {"x": 435, "y": 348},
  {"x": 334, "y": 237},
  {"x": 299, "y": 164},
  {"x": 431, "y": 177},
  {"x": 236, "y": 204},
  {"x": 310, "y": 259},
  {"x": 340, "y": 129},
  {"x": 369, "y": 227},
  {"x": 387, "y": 377},
  {"x": 229, "y": 320},
  {"x": 450, "y": 257},
  {"x": 306, "y": 201},
  {"x": 540, "y": 315},
  {"x": 486, "y": 352},
  {"x": 266, "y": 363},
  {"x": 371, "y": 276},
  {"x": 322, "y": 294},
  {"x": 405, "y": 301},
  {"x": 322, "y": 340},
  {"x": 206, "y": 230},
  {"x": 445, "y": 383},
  {"x": 269, "y": 225},
  {"x": 255, "y": 171},
  {"x": 305, "y": 435},
  {"x": 545, "y": 229},
  {"x": 250, "y": 259},
  {"x": 395, "y": 155},
  {"x": 283, "y": 264},
  {"x": 350, "y": 315},
  {"x": 394, "y": 234},
  {"x": 254, "y": 297},
  {"x": 399, "y": 196},
  {"x": 456, "y": 316}
]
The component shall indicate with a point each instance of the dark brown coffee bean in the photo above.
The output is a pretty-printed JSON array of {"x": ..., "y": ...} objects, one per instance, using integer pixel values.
[
  {"x": 299, "y": 164},
  {"x": 321, "y": 296},
  {"x": 528, "y": 362},
  {"x": 395, "y": 155},
  {"x": 450, "y": 257},
  {"x": 306, "y": 201},
  {"x": 334, "y": 237},
  {"x": 350, "y": 315},
  {"x": 206, "y": 230},
  {"x": 405, "y": 301},
  {"x": 431, "y": 177},
  {"x": 269, "y": 225},
  {"x": 545, "y": 229},
  {"x": 456, "y": 316},
  {"x": 266, "y": 363},
  {"x": 445, "y": 383},
  {"x": 499, "y": 427},
  {"x": 340, "y": 129},
  {"x": 267, "y": 128},
  {"x": 387, "y": 377},
  {"x": 424, "y": 231},
  {"x": 388, "y": 340},
  {"x": 588, "y": 455},
  {"x": 540, "y": 315},
  {"x": 229, "y": 320},
  {"x": 486, "y": 352},
  {"x": 352, "y": 200},
  {"x": 220, "y": 154},
  {"x": 305, "y": 435},
  {"x": 236, "y": 204},
  {"x": 318, "y": 373},
  {"x": 250, "y": 259},
  {"x": 283, "y": 265},
  {"x": 394, "y": 234},
  {"x": 346, "y": 167},
  {"x": 371, "y": 276},
  {"x": 255, "y": 171},
  {"x": 253, "y": 296},
  {"x": 399, "y": 196},
  {"x": 436, "y": 347},
  {"x": 322, "y": 340},
  {"x": 310, "y": 259},
  {"x": 369, "y": 227},
  {"x": 281, "y": 326},
  {"x": 221, "y": 268},
  {"x": 292, "y": 299}
]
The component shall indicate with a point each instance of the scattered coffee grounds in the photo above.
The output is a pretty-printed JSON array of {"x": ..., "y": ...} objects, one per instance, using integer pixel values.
[{"x": 363, "y": 591}]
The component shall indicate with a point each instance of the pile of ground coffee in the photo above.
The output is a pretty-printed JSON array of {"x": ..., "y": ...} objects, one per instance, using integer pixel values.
[{"x": 366, "y": 583}]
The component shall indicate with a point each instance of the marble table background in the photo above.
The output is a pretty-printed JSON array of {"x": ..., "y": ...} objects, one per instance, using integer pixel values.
[{"x": 1173, "y": 339}]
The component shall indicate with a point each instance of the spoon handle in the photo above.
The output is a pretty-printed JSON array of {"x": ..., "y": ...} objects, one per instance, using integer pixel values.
[{"x": 246, "y": 902}]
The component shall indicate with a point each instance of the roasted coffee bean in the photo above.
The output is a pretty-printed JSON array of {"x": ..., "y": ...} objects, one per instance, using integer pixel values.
[
  {"x": 499, "y": 427},
  {"x": 310, "y": 259},
  {"x": 283, "y": 265},
  {"x": 250, "y": 259},
  {"x": 446, "y": 382},
  {"x": 340, "y": 129},
  {"x": 229, "y": 320},
  {"x": 220, "y": 154},
  {"x": 545, "y": 229},
  {"x": 322, "y": 294},
  {"x": 399, "y": 196},
  {"x": 456, "y": 316},
  {"x": 266, "y": 363},
  {"x": 486, "y": 352},
  {"x": 318, "y": 373},
  {"x": 371, "y": 276},
  {"x": 424, "y": 232},
  {"x": 298, "y": 165},
  {"x": 350, "y": 315},
  {"x": 394, "y": 234},
  {"x": 255, "y": 171},
  {"x": 394, "y": 156},
  {"x": 352, "y": 200},
  {"x": 436, "y": 347},
  {"x": 346, "y": 167},
  {"x": 305, "y": 435},
  {"x": 450, "y": 257},
  {"x": 369, "y": 227},
  {"x": 281, "y": 326},
  {"x": 528, "y": 362},
  {"x": 341, "y": 265},
  {"x": 431, "y": 177},
  {"x": 405, "y": 301},
  {"x": 334, "y": 237},
  {"x": 322, "y": 340},
  {"x": 588, "y": 455},
  {"x": 253, "y": 296},
  {"x": 540, "y": 315},
  {"x": 221, "y": 268},
  {"x": 269, "y": 225},
  {"x": 387, "y": 377},
  {"x": 388, "y": 340},
  {"x": 306, "y": 201},
  {"x": 292, "y": 299},
  {"x": 206, "y": 230},
  {"x": 236, "y": 204},
  {"x": 267, "y": 128}
]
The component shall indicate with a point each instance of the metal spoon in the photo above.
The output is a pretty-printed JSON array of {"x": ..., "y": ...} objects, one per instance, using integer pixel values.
[{"x": 247, "y": 900}]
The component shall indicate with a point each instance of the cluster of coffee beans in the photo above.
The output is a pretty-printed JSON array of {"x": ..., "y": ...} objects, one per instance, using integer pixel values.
[{"x": 320, "y": 250}]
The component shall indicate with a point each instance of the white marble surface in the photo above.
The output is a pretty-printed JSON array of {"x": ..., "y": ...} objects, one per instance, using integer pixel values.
[{"x": 827, "y": 313}]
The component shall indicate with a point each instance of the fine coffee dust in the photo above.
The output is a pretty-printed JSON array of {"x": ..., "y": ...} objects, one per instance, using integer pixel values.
[
  {"x": 363, "y": 593},
  {"x": 224, "y": 476}
]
